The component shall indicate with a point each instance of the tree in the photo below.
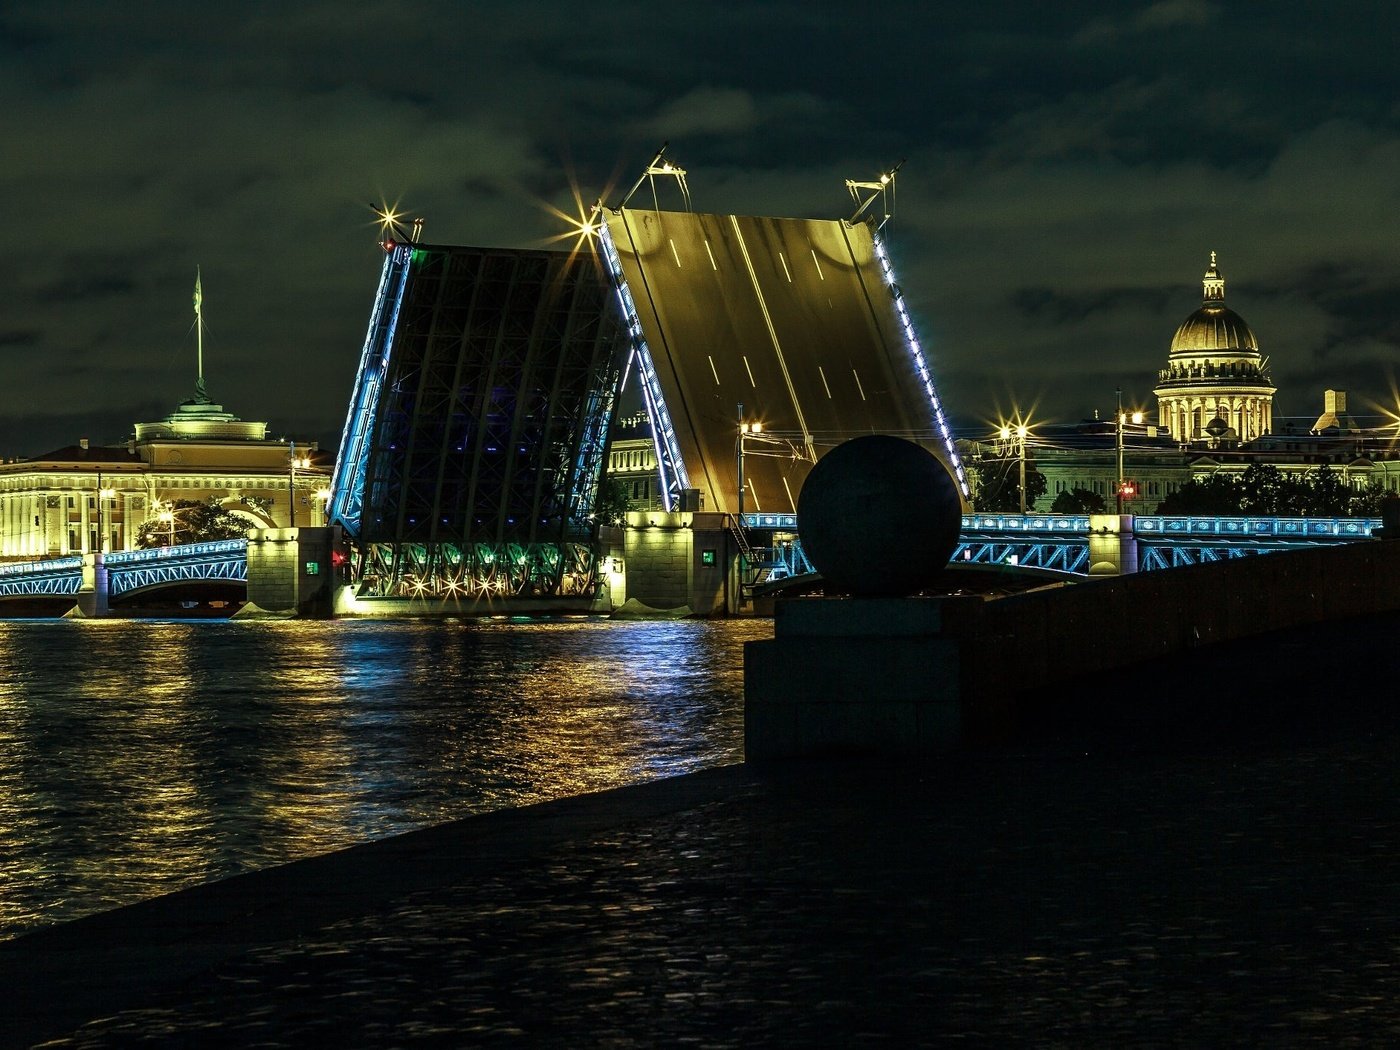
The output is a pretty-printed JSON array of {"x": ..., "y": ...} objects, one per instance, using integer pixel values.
[
  {"x": 1079, "y": 501},
  {"x": 611, "y": 508},
  {"x": 1265, "y": 491},
  {"x": 195, "y": 522},
  {"x": 1215, "y": 494},
  {"x": 1367, "y": 503},
  {"x": 999, "y": 486},
  {"x": 1327, "y": 494}
]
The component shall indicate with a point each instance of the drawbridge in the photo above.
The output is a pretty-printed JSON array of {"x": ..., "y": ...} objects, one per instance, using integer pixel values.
[{"x": 475, "y": 440}]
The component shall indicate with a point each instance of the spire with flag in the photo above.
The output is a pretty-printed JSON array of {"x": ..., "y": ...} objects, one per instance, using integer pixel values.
[{"x": 201, "y": 395}]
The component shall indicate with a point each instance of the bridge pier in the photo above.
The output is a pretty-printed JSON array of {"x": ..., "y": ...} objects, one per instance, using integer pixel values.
[
  {"x": 1113, "y": 547},
  {"x": 93, "y": 595},
  {"x": 678, "y": 559},
  {"x": 290, "y": 573}
]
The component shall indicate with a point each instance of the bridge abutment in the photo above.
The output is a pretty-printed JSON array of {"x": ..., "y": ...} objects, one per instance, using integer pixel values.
[{"x": 290, "y": 573}]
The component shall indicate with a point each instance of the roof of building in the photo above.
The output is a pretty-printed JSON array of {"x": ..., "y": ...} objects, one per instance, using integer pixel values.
[
  {"x": 1214, "y": 326},
  {"x": 89, "y": 454}
]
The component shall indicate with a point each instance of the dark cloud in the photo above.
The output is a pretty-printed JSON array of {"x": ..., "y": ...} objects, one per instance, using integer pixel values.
[{"x": 1068, "y": 171}]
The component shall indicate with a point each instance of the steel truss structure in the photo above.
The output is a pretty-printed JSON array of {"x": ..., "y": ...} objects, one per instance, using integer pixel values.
[
  {"x": 478, "y": 429},
  {"x": 54, "y": 576},
  {"x": 1065, "y": 553},
  {"x": 131, "y": 571}
]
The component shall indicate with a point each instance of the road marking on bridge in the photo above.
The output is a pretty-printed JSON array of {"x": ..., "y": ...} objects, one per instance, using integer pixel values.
[{"x": 777, "y": 344}]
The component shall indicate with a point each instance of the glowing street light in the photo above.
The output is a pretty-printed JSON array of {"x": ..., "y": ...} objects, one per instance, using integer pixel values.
[
  {"x": 324, "y": 496},
  {"x": 1021, "y": 432},
  {"x": 746, "y": 428},
  {"x": 103, "y": 494},
  {"x": 1123, "y": 489},
  {"x": 295, "y": 463}
]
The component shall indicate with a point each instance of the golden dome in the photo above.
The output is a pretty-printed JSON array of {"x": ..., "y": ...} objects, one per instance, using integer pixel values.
[{"x": 1214, "y": 327}]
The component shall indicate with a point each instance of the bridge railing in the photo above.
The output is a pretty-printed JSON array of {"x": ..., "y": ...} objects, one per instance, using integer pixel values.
[
  {"x": 40, "y": 568},
  {"x": 227, "y": 548}
]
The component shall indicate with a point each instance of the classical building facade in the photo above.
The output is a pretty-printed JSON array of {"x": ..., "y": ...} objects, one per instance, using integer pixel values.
[
  {"x": 1215, "y": 383},
  {"x": 85, "y": 497}
]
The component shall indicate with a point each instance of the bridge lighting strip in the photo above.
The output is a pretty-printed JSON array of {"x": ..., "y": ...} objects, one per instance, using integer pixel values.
[
  {"x": 663, "y": 432},
  {"x": 348, "y": 483},
  {"x": 912, "y": 341}
]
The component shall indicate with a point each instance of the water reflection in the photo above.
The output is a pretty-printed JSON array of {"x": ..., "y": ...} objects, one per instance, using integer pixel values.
[{"x": 139, "y": 756}]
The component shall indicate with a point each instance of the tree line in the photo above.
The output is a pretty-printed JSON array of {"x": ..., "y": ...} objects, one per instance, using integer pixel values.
[{"x": 1261, "y": 490}]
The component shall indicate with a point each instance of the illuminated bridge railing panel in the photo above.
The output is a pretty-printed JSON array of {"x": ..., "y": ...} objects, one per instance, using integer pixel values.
[
  {"x": 215, "y": 560},
  {"x": 1300, "y": 529},
  {"x": 1073, "y": 523},
  {"x": 53, "y": 576}
]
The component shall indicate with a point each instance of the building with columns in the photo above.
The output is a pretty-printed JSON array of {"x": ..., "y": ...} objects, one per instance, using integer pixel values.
[
  {"x": 1215, "y": 384},
  {"x": 85, "y": 498}
]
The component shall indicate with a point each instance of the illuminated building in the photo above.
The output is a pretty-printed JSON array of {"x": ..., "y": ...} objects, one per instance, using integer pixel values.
[
  {"x": 1215, "y": 416},
  {"x": 632, "y": 462},
  {"x": 1215, "y": 386},
  {"x": 84, "y": 497}
]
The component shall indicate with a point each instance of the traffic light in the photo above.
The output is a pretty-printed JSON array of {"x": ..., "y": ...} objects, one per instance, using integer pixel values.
[{"x": 1128, "y": 490}]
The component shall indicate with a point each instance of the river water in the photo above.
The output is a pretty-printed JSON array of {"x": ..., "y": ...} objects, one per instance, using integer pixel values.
[{"x": 142, "y": 756}]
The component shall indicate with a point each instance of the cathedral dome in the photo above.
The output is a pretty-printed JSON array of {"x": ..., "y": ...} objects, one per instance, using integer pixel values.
[{"x": 1214, "y": 327}]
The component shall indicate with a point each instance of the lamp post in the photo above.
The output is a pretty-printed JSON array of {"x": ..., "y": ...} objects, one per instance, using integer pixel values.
[
  {"x": 745, "y": 429},
  {"x": 1020, "y": 432},
  {"x": 296, "y": 462},
  {"x": 167, "y": 516},
  {"x": 103, "y": 494},
  {"x": 1122, "y": 419}
]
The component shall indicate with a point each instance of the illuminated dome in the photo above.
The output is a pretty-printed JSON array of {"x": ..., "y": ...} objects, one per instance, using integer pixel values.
[
  {"x": 1216, "y": 386},
  {"x": 1214, "y": 327}
]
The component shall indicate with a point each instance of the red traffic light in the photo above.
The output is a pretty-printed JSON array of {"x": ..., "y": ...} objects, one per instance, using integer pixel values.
[{"x": 1129, "y": 490}]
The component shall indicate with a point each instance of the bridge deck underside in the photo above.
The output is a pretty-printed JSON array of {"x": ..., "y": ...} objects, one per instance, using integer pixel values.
[{"x": 790, "y": 318}]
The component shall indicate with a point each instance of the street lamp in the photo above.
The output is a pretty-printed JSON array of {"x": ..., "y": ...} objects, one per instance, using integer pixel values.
[
  {"x": 1122, "y": 419},
  {"x": 167, "y": 517},
  {"x": 103, "y": 494},
  {"x": 745, "y": 429},
  {"x": 296, "y": 463},
  {"x": 1021, "y": 431}
]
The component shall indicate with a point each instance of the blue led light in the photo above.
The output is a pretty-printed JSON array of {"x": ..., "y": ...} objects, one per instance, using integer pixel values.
[
  {"x": 663, "y": 433},
  {"x": 887, "y": 271}
]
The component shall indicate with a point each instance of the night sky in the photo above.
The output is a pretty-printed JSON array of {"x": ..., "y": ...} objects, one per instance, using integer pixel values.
[{"x": 1069, "y": 168}]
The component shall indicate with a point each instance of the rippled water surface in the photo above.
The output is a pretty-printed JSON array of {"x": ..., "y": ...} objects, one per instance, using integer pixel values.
[{"x": 137, "y": 757}]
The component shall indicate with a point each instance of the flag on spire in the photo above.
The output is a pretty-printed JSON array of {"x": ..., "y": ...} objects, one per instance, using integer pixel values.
[{"x": 198, "y": 294}]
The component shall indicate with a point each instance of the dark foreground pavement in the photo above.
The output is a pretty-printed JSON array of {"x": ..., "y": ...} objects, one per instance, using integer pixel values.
[{"x": 1204, "y": 852}]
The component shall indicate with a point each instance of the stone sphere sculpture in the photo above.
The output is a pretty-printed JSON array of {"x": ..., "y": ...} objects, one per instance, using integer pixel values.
[{"x": 879, "y": 516}]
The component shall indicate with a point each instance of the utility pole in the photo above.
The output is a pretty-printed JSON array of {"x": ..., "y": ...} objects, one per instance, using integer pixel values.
[
  {"x": 1021, "y": 442},
  {"x": 1119, "y": 424}
]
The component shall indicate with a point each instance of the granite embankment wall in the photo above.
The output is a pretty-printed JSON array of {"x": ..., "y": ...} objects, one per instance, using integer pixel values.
[
  {"x": 1040, "y": 638},
  {"x": 923, "y": 675}
]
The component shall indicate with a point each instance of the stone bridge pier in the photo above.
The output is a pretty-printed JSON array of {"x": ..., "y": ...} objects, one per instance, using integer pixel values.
[
  {"x": 93, "y": 595},
  {"x": 291, "y": 572}
]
